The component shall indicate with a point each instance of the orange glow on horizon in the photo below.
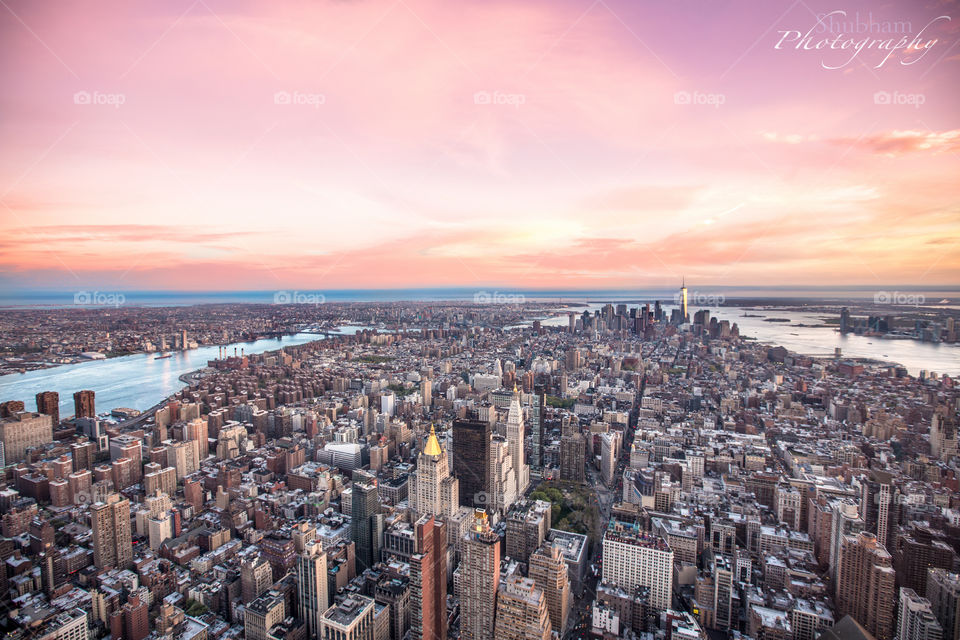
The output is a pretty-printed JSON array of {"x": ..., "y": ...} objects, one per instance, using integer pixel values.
[{"x": 242, "y": 146}]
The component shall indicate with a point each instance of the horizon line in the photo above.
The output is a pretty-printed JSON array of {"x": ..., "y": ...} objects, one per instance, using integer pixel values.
[{"x": 785, "y": 287}]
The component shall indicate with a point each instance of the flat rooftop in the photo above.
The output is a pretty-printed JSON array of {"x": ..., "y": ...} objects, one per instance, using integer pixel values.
[
  {"x": 348, "y": 610},
  {"x": 573, "y": 545}
]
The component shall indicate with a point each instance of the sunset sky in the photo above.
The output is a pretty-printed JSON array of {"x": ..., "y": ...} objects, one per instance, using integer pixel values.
[{"x": 231, "y": 144}]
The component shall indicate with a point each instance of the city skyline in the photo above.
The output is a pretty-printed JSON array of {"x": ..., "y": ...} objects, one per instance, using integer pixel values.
[
  {"x": 213, "y": 146},
  {"x": 480, "y": 320}
]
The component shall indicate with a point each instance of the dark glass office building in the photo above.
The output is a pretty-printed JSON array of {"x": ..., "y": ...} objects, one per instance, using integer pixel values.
[{"x": 471, "y": 460}]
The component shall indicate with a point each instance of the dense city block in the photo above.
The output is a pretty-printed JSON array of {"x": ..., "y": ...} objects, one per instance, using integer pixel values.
[{"x": 473, "y": 471}]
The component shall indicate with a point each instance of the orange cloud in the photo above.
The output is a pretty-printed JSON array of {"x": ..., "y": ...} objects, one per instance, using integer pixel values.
[
  {"x": 401, "y": 177},
  {"x": 906, "y": 141}
]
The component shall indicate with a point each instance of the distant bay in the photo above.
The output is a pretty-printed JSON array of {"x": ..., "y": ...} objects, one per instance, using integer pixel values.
[{"x": 137, "y": 381}]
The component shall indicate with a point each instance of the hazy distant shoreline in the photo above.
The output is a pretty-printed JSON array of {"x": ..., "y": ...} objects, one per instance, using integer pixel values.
[{"x": 734, "y": 296}]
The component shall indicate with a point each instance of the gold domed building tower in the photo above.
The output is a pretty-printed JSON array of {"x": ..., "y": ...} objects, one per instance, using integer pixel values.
[{"x": 435, "y": 491}]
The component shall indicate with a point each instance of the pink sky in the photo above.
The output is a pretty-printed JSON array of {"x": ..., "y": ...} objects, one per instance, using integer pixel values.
[{"x": 587, "y": 169}]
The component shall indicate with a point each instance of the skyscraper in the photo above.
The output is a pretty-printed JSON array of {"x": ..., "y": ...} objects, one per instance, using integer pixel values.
[
  {"x": 132, "y": 621},
  {"x": 471, "y": 460},
  {"x": 426, "y": 392},
  {"x": 918, "y": 549},
  {"x": 23, "y": 430},
  {"x": 84, "y": 404},
  {"x": 112, "y": 541},
  {"x": 124, "y": 446},
  {"x": 572, "y": 458},
  {"x": 846, "y": 520},
  {"x": 503, "y": 477},
  {"x": 943, "y": 433},
  {"x": 522, "y": 610},
  {"x": 312, "y": 586},
  {"x": 865, "y": 584},
  {"x": 634, "y": 559},
  {"x": 351, "y": 619},
  {"x": 723, "y": 588},
  {"x": 428, "y": 580},
  {"x": 915, "y": 619},
  {"x": 302, "y": 533},
  {"x": 184, "y": 457},
  {"x": 943, "y": 592},
  {"x": 434, "y": 490},
  {"x": 48, "y": 402},
  {"x": 256, "y": 577},
  {"x": 263, "y": 614},
  {"x": 609, "y": 455},
  {"x": 845, "y": 326},
  {"x": 159, "y": 520},
  {"x": 878, "y": 506},
  {"x": 549, "y": 570},
  {"x": 480, "y": 580},
  {"x": 537, "y": 404},
  {"x": 527, "y": 526},
  {"x": 684, "y": 316},
  {"x": 515, "y": 439},
  {"x": 197, "y": 431},
  {"x": 366, "y": 523}
]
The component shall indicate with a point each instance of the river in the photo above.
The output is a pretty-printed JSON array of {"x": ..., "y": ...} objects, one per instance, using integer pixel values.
[
  {"x": 916, "y": 356},
  {"x": 137, "y": 381}
]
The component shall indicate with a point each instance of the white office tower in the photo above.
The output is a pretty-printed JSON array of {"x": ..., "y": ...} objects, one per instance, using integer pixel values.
[
  {"x": 632, "y": 558},
  {"x": 515, "y": 438},
  {"x": 503, "y": 481},
  {"x": 388, "y": 404}
]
